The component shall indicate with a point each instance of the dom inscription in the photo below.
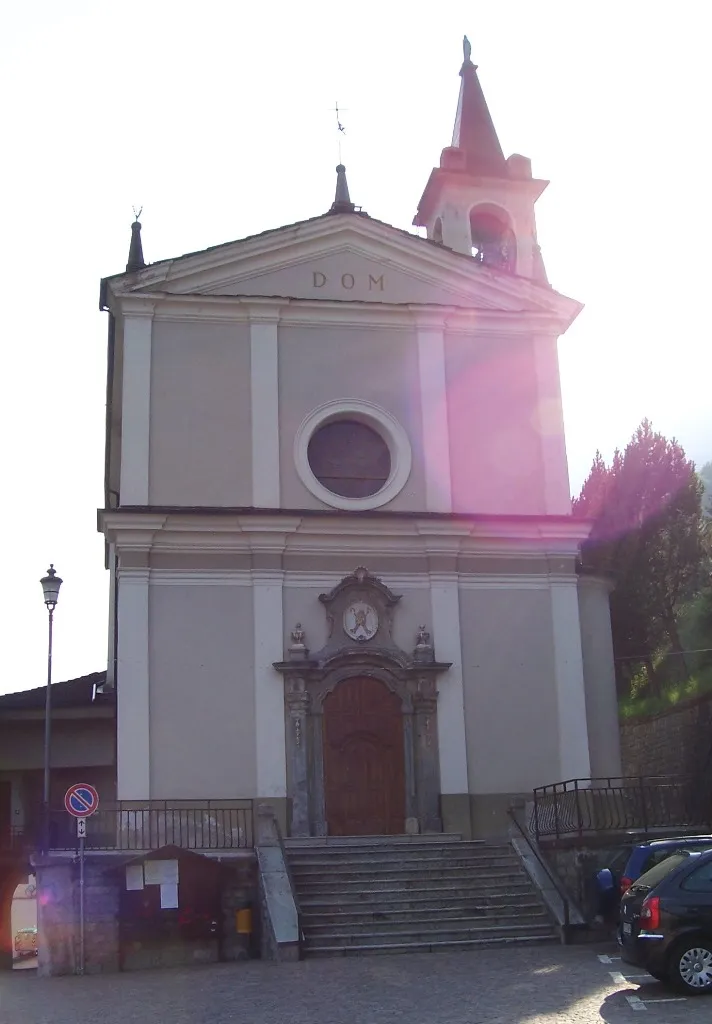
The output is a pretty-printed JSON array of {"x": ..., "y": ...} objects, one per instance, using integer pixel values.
[{"x": 346, "y": 282}]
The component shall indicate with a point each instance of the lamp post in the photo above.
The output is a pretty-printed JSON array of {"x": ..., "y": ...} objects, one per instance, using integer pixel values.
[{"x": 50, "y": 589}]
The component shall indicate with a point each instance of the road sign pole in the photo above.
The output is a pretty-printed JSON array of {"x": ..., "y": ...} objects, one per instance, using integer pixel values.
[
  {"x": 81, "y": 893},
  {"x": 81, "y": 800}
]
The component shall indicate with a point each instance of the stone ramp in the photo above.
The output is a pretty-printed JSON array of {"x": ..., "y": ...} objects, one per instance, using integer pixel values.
[{"x": 413, "y": 894}]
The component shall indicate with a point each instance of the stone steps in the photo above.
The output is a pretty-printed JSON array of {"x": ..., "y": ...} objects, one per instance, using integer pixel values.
[
  {"x": 403, "y": 878},
  {"x": 390, "y": 948},
  {"x": 465, "y": 885},
  {"x": 424, "y": 899},
  {"x": 377, "y": 925},
  {"x": 321, "y": 843},
  {"x": 363, "y": 896},
  {"x": 315, "y": 866}
]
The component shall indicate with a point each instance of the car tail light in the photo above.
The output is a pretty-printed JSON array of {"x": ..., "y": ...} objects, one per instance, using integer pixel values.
[
  {"x": 650, "y": 913},
  {"x": 625, "y": 884}
]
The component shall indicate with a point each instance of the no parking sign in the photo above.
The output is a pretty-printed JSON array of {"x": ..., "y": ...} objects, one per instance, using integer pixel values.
[{"x": 81, "y": 800}]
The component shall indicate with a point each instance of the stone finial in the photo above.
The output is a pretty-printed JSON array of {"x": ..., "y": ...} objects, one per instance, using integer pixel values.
[
  {"x": 297, "y": 648},
  {"x": 342, "y": 200},
  {"x": 422, "y": 637},
  {"x": 423, "y": 648},
  {"x": 136, "y": 261}
]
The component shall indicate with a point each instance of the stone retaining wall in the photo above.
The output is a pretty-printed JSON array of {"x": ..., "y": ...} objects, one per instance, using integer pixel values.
[{"x": 674, "y": 742}]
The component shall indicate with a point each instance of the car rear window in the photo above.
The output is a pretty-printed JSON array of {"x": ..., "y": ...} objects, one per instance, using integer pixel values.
[{"x": 659, "y": 871}]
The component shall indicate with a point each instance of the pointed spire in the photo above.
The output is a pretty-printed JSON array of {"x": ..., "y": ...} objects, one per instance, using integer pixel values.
[
  {"x": 342, "y": 200},
  {"x": 474, "y": 132},
  {"x": 136, "y": 260}
]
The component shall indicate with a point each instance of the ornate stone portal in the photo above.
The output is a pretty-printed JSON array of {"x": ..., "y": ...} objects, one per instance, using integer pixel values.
[{"x": 360, "y": 645}]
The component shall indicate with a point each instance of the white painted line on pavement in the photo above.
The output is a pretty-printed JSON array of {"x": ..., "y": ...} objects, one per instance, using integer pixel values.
[
  {"x": 622, "y": 979},
  {"x": 636, "y": 1003},
  {"x": 669, "y": 999},
  {"x": 604, "y": 959}
]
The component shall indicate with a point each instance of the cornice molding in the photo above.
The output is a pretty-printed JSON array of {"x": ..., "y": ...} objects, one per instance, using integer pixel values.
[
  {"x": 325, "y": 313},
  {"x": 196, "y": 532},
  {"x": 305, "y": 580}
]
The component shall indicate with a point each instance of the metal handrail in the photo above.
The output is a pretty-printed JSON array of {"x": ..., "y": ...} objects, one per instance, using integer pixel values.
[
  {"x": 550, "y": 874},
  {"x": 292, "y": 883},
  {"x": 612, "y": 803},
  {"x": 129, "y": 826}
]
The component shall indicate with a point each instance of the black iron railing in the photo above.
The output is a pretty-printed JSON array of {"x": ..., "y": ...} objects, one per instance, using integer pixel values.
[
  {"x": 126, "y": 826},
  {"x": 556, "y": 883},
  {"x": 581, "y": 806}
]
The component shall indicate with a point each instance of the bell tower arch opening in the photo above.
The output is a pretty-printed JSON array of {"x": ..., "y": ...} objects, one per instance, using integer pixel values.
[{"x": 492, "y": 237}]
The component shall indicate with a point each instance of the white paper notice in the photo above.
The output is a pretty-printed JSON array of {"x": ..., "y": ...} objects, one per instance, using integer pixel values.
[
  {"x": 169, "y": 895},
  {"x": 161, "y": 872},
  {"x": 134, "y": 876}
]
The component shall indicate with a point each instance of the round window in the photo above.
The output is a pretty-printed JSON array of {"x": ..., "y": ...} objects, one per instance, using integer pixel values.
[
  {"x": 349, "y": 458},
  {"x": 352, "y": 454}
]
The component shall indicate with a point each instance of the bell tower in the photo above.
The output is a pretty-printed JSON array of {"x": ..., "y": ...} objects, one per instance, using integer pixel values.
[{"x": 477, "y": 202}]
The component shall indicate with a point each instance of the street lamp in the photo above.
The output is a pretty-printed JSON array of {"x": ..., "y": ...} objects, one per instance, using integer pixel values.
[{"x": 50, "y": 589}]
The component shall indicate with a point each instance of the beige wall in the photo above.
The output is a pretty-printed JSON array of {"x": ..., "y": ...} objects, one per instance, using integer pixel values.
[
  {"x": 320, "y": 364},
  {"x": 510, "y": 698},
  {"x": 200, "y": 411},
  {"x": 87, "y": 741},
  {"x": 599, "y": 677},
  {"x": 202, "y": 703},
  {"x": 200, "y": 452},
  {"x": 493, "y": 416}
]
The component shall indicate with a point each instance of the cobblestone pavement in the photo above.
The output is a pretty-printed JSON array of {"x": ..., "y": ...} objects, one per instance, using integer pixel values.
[{"x": 535, "y": 985}]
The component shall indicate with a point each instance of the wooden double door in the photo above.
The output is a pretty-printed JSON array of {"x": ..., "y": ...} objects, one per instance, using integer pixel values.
[{"x": 364, "y": 759}]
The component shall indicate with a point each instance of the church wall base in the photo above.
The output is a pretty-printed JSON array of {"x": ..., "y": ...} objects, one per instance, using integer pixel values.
[
  {"x": 456, "y": 813},
  {"x": 489, "y": 816},
  {"x": 281, "y": 808}
]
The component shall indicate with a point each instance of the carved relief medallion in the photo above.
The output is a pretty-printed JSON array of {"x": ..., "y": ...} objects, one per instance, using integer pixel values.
[{"x": 360, "y": 621}]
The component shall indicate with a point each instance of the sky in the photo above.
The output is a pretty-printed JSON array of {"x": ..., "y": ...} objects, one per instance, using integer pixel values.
[{"x": 217, "y": 118}]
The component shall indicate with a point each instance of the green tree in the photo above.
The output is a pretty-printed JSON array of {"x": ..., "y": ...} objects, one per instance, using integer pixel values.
[
  {"x": 705, "y": 475},
  {"x": 648, "y": 533}
]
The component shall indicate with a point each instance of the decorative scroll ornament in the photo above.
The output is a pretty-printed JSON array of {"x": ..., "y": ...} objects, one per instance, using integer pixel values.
[{"x": 360, "y": 621}]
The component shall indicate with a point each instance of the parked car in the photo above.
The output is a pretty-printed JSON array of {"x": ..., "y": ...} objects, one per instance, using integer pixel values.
[
  {"x": 644, "y": 856},
  {"x": 25, "y": 942},
  {"x": 665, "y": 921}
]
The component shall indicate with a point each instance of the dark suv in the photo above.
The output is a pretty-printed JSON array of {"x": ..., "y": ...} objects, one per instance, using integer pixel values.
[
  {"x": 644, "y": 856},
  {"x": 665, "y": 923}
]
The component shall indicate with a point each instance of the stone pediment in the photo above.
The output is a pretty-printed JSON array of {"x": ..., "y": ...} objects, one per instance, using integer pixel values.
[{"x": 346, "y": 258}]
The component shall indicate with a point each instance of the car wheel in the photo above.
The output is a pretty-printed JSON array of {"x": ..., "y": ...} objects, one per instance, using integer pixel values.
[{"x": 691, "y": 966}]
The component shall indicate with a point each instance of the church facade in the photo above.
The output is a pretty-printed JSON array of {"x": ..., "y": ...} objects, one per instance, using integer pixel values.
[{"x": 338, "y": 516}]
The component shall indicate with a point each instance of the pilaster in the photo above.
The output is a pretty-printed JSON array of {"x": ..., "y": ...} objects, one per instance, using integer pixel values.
[
  {"x": 264, "y": 392},
  {"x": 297, "y": 702},
  {"x": 433, "y": 403},
  {"x": 136, "y": 409},
  {"x": 568, "y": 674},
  {"x": 133, "y": 764},
  {"x": 445, "y": 606},
  {"x": 427, "y": 760},
  {"x": 269, "y": 692}
]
